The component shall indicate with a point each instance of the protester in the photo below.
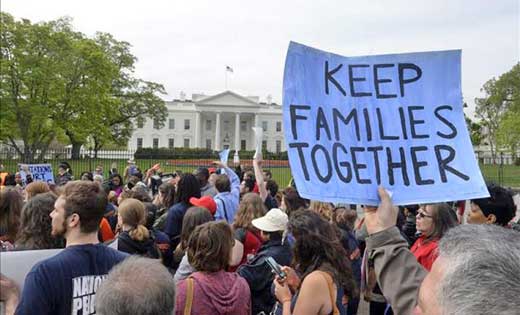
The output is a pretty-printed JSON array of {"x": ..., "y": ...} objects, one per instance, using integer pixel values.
[
  {"x": 251, "y": 207},
  {"x": 206, "y": 189},
  {"x": 64, "y": 174},
  {"x": 86, "y": 176},
  {"x": 130, "y": 170},
  {"x": 164, "y": 200},
  {"x": 187, "y": 188},
  {"x": 268, "y": 200},
  {"x": 115, "y": 184},
  {"x": 35, "y": 224},
  {"x": 194, "y": 217},
  {"x": 324, "y": 209},
  {"x": 474, "y": 260},
  {"x": 11, "y": 203},
  {"x": 256, "y": 271},
  {"x": 499, "y": 208},
  {"x": 35, "y": 188},
  {"x": 291, "y": 201},
  {"x": 98, "y": 171},
  {"x": 247, "y": 185},
  {"x": 228, "y": 197},
  {"x": 134, "y": 237},
  {"x": 98, "y": 179},
  {"x": 214, "y": 290},
  {"x": 118, "y": 294},
  {"x": 272, "y": 189},
  {"x": 205, "y": 202},
  {"x": 61, "y": 284},
  {"x": 433, "y": 221},
  {"x": 324, "y": 267},
  {"x": 409, "y": 229}
]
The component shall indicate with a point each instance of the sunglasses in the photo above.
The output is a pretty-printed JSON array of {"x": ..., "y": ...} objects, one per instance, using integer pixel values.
[{"x": 422, "y": 215}]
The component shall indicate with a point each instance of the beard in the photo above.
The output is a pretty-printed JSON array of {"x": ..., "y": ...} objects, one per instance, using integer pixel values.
[{"x": 59, "y": 231}]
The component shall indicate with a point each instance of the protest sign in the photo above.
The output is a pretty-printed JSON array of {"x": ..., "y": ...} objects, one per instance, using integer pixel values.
[
  {"x": 354, "y": 123},
  {"x": 224, "y": 156},
  {"x": 259, "y": 135},
  {"x": 39, "y": 172}
]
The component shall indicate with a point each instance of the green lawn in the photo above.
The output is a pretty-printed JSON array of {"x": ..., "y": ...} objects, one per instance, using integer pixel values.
[{"x": 510, "y": 173}]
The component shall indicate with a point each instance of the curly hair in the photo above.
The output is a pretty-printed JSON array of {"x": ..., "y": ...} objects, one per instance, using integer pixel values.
[
  {"x": 11, "y": 203},
  {"x": 210, "y": 246},
  {"x": 36, "y": 224},
  {"x": 251, "y": 207},
  {"x": 318, "y": 247},
  {"x": 324, "y": 209}
]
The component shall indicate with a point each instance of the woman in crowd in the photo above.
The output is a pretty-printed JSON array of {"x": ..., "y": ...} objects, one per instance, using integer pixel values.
[
  {"x": 194, "y": 217},
  {"x": 35, "y": 226},
  {"x": 164, "y": 201},
  {"x": 116, "y": 184},
  {"x": 36, "y": 188},
  {"x": 134, "y": 237},
  {"x": 433, "y": 221},
  {"x": 291, "y": 201},
  {"x": 322, "y": 208},
  {"x": 187, "y": 187},
  {"x": 11, "y": 203},
  {"x": 86, "y": 176},
  {"x": 251, "y": 207},
  {"x": 214, "y": 291},
  {"x": 326, "y": 275}
]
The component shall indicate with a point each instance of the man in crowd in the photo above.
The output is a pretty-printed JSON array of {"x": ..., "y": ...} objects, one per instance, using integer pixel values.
[
  {"x": 118, "y": 294},
  {"x": 206, "y": 189},
  {"x": 499, "y": 208},
  {"x": 228, "y": 197},
  {"x": 67, "y": 282},
  {"x": 476, "y": 271}
]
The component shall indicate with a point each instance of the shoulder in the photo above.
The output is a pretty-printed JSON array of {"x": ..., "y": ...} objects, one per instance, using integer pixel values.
[{"x": 316, "y": 280}]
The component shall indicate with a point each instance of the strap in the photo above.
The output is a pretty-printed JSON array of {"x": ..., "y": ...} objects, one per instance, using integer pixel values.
[
  {"x": 225, "y": 211},
  {"x": 189, "y": 296},
  {"x": 330, "y": 283}
]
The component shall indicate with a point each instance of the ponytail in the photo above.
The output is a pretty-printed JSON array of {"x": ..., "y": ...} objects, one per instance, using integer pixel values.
[{"x": 140, "y": 233}]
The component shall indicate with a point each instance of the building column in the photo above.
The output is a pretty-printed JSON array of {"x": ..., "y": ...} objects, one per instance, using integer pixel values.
[
  {"x": 256, "y": 120},
  {"x": 217, "y": 132},
  {"x": 237, "y": 132},
  {"x": 197, "y": 129}
]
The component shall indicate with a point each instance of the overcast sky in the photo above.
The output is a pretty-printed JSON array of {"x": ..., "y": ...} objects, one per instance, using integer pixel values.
[{"x": 185, "y": 45}]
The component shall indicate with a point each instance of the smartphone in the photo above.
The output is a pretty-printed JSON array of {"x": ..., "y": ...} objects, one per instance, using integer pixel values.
[{"x": 276, "y": 268}]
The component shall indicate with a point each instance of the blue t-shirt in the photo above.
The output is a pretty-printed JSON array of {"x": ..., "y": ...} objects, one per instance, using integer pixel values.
[{"x": 67, "y": 282}]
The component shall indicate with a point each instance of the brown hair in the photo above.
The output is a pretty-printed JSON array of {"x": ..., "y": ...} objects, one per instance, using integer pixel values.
[
  {"x": 251, "y": 207},
  {"x": 168, "y": 192},
  {"x": 322, "y": 208},
  {"x": 36, "y": 188},
  {"x": 36, "y": 225},
  {"x": 86, "y": 199},
  {"x": 222, "y": 183},
  {"x": 443, "y": 218},
  {"x": 209, "y": 246},
  {"x": 133, "y": 213},
  {"x": 344, "y": 217},
  {"x": 194, "y": 217},
  {"x": 11, "y": 203},
  {"x": 293, "y": 201}
]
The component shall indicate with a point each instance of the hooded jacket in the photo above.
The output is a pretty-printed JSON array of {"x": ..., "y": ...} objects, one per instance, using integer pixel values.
[
  {"x": 216, "y": 293},
  {"x": 145, "y": 248}
]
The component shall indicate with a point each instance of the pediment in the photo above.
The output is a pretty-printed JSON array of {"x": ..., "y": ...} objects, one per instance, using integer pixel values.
[{"x": 227, "y": 98}]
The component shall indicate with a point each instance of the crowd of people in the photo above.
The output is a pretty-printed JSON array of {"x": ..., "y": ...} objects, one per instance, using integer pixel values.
[{"x": 225, "y": 240}]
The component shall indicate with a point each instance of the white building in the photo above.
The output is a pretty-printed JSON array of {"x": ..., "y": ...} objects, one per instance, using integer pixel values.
[{"x": 217, "y": 122}]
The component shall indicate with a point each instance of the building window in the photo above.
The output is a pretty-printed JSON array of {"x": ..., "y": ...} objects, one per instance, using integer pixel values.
[
  {"x": 171, "y": 143},
  {"x": 140, "y": 123},
  {"x": 156, "y": 124},
  {"x": 243, "y": 145},
  {"x": 172, "y": 123},
  {"x": 208, "y": 125},
  {"x": 243, "y": 125},
  {"x": 186, "y": 124},
  {"x": 278, "y": 146},
  {"x": 264, "y": 145},
  {"x": 186, "y": 143},
  {"x": 264, "y": 125},
  {"x": 208, "y": 144},
  {"x": 155, "y": 143},
  {"x": 278, "y": 126},
  {"x": 139, "y": 143}
]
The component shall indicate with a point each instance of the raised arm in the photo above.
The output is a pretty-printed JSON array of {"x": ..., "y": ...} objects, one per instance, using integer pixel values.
[{"x": 259, "y": 176}]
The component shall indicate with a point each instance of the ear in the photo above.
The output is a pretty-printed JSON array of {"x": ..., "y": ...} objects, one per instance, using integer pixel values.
[
  {"x": 73, "y": 220},
  {"x": 491, "y": 219}
]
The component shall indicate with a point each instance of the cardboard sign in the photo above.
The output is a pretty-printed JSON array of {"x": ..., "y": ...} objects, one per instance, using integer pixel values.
[
  {"x": 39, "y": 172},
  {"x": 355, "y": 123}
]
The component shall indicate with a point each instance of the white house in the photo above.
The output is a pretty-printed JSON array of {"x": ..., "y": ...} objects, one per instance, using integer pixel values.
[{"x": 221, "y": 121}]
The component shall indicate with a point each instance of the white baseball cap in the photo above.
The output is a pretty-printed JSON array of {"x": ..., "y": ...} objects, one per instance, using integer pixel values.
[{"x": 273, "y": 221}]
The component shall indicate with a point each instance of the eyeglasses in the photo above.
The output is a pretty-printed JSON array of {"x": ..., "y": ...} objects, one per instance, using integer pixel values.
[{"x": 422, "y": 215}]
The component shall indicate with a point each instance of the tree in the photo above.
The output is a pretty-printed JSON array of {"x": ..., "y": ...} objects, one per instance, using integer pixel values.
[
  {"x": 508, "y": 134},
  {"x": 474, "y": 130},
  {"x": 502, "y": 101},
  {"x": 55, "y": 81}
]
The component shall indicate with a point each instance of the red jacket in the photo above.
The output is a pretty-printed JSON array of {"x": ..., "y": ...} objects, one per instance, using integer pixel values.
[{"x": 425, "y": 251}]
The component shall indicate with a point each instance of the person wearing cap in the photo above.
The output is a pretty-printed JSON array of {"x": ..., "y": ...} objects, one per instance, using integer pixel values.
[
  {"x": 64, "y": 174},
  {"x": 498, "y": 209},
  {"x": 257, "y": 272},
  {"x": 206, "y": 202},
  {"x": 206, "y": 189}
]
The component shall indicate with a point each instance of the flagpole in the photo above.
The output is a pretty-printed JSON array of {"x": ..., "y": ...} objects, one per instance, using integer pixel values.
[{"x": 226, "y": 71}]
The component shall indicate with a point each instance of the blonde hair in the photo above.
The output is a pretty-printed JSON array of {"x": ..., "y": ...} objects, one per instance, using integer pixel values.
[
  {"x": 324, "y": 209},
  {"x": 251, "y": 207},
  {"x": 133, "y": 213},
  {"x": 36, "y": 188}
]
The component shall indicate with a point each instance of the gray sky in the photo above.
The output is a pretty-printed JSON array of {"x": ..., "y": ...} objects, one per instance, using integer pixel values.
[{"x": 185, "y": 45}]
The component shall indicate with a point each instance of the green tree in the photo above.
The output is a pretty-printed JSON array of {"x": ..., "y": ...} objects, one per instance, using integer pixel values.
[
  {"x": 475, "y": 130},
  {"x": 508, "y": 134},
  {"x": 55, "y": 81}
]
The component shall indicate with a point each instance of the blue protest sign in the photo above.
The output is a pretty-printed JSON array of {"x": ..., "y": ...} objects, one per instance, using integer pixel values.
[
  {"x": 224, "y": 156},
  {"x": 354, "y": 123},
  {"x": 39, "y": 172}
]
